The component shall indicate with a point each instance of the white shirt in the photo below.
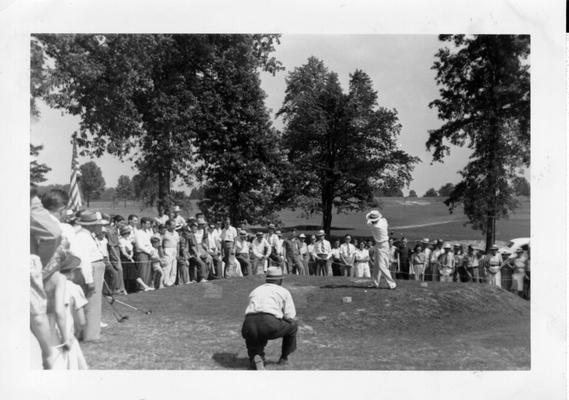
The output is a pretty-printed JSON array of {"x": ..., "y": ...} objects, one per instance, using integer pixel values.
[
  {"x": 323, "y": 247},
  {"x": 379, "y": 230},
  {"x": 303, "y": 248},
  {"x": 212, "y": 241},
  {"x": 228, "y": 234},
  {"x": 102, "y": 244},
  {"x": 272, "y": 299},
  {"x": 335, "y": 253},
  {"x": 88, "y": 249},
  {"x": 162, "y": 220},
  {"x": 347, "y": 252},
  {"x": 179, "y": 221},
  {"x": 142, "y": 241},
  {"x": 199, "y": 234},
  {"x": 362, "y": 255},
  {"x": 126, "y": 246},
  {"x": 241, "y": 246},
  {"x": 258, "y": 247}
]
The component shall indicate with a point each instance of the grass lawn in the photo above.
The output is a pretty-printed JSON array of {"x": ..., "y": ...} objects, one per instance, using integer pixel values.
[
  {"x": 441, "y": 327},
  {"x": 415, "y": 218}
]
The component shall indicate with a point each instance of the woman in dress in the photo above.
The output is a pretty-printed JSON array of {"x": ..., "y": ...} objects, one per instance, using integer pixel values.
[
  {"x": 361, "y": 265},
  {"x": 132, "y": 281}
]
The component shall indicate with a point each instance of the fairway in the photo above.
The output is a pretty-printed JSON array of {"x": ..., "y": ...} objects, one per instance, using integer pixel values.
[
  {"x": 440, "y": 327},
  {"x": 415, "y": 218}
]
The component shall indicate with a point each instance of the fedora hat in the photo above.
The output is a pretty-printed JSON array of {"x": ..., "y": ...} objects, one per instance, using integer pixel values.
[
  {"x": 321, "y": 233},
  {"x": 302, "y": 236},
  {"x": 124, "y": 230},
  {"x": 92, "y": 218},
  {"x": 271, "y": 226},
  {"x": 447, "y": 246},
  {"x": 425, "y": 241},
  {"x": 177, "y": 209},
  {"x": 259, "y": 233},
  {"x": 70, "y": 263},
  {"x": 373, "y": 216},
  {"x": 242, "y": 232},
  {"x": 494, "y": 247},
  {"x": 274, "y": 274},
  {"x": 201, "y": 221}
]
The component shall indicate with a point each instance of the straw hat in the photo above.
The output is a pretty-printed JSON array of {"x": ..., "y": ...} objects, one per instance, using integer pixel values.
[
  {"x": 373, "y": 216},
  {"x": 320, "y": 233},
  {"x": 91, "y": 218},
  {"x": 274, "y": 274}
]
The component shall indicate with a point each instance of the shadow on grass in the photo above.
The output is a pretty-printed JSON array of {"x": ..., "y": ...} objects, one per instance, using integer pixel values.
[
  {"x": 345, "y": 286},
  {"x": 230, "y": 360}
]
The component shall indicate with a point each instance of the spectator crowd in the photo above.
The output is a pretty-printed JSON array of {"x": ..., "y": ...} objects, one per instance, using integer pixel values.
[{"x": 77, "y": 258}]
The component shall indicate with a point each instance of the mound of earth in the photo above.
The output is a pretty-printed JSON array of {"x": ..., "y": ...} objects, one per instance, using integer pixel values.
[{"x": 440, "y": 326}]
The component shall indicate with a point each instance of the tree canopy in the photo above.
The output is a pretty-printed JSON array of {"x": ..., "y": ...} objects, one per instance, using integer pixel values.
[
  {"x": 91, "y": 182},
  {"x": 446, "y": 189},
  {"x": 431, "y": 193},
  {"x": 343, "y": 145},
  {"x": 168, "y": 102},
  {"x": 485, "y": 104},
  {"x": 412, "y": 193}
]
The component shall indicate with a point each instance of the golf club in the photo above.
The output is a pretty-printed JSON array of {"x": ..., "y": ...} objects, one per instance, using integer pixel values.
[
  {"x": 118, "y": 316},
  {"x": 142, "y": 310}
]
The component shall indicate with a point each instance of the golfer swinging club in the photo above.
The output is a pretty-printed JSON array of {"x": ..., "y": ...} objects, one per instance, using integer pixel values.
[
  {"x": 269, "y": 315},
  {"x": 380, "y": 258}
]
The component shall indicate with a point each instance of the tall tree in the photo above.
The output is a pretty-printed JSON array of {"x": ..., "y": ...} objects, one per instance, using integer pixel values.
[
  {"x": 446, "y": 189},
  {"x": 124, "y": 190},
  {"x": 154, "y": 98},
  {"x": 412, "y": 193},
  {"x": 485, "y": 103},
  {"x": 92, "y": 182},
  {"x": 37, "y": 170},
  {"x": 39, "y": 86},
  {"x": 431, "y": 193},
  {"x": 343, "y": 146},
  {"x": 521, "y": 186}
]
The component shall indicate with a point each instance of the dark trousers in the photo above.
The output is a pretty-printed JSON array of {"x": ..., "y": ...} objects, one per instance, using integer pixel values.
[
  {"x": 144, "y": 268},
  {"x": 245, "y": 263},
  {"x": 198, "y": 269},
  {"x": 259, "y": 328},
  {"x": 114, "y": 258}
]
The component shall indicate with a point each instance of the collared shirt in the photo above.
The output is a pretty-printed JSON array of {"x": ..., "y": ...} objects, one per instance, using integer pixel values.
[
  {"x": 142, "y": 242},
  {"x": 228, "y": 234},
  {"x": 260, "y": 248},
  {"x": 303, "y": 248},
  {"x": 212, "y": 242},
  {"x": 241, "y": 246},
  {"x": 379, "y": 230},
  {"x": 170, "y": 240},
  {"x": 89, "y": 251},
  {"x": 435, "y": 254},
  {"x": 471, "y": 260},
  {"x": 335, "y": 253},
  {"x": 362, "y": 255},
  {"x": 272, "y": 299},
  {"x": 310, "y": 248},
  {"x": 347, "y": 253},
  {"x": 126, "y": 246},
  {"x": 162, "y": 220},
  {"x": 199, "y": 234},
  {"x": 113, "y": 236},
  {"x": 102, "y": 245},
  {"x": 419, "y": 258},
  {"x": 323, "y": 247}
]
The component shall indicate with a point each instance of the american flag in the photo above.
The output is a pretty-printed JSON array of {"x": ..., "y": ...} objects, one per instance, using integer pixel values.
[{"x": 74, "y": 193}]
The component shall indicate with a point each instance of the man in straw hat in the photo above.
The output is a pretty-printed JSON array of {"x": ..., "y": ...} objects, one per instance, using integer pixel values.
[
  {"x": 91, "y": 224},
  {"x": 323, "y": 251},
  {"x": 269, "y": 315},
  {"x": 380, "y": 261}
]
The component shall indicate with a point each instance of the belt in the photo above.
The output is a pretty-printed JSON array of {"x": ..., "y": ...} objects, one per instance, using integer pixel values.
[
  {"x": 242, "y": 254},
  {"x": 96, "y": 261},
  {"x": 228, "y": 241}
]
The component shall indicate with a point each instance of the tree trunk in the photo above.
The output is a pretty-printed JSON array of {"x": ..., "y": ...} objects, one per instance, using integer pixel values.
[
  {"x": 327, "y": 209},
  {"x": 164, "y": 189},
  {"x": 489, "y": 231}
]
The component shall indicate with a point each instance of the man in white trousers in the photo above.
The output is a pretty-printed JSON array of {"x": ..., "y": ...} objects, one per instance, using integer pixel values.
[{"x": 380, "y": 260}]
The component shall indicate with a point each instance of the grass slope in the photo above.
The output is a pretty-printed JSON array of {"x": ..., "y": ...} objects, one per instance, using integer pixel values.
[{"x": 440, "y": 327}]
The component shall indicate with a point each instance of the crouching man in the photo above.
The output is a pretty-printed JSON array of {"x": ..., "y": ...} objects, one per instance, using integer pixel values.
[{"x": 269, "y": 315}]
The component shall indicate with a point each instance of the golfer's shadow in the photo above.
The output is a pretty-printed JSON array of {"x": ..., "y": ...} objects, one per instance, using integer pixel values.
[
  {"x": 344, "y": 286},
  {"x": 231, "y": 361}
]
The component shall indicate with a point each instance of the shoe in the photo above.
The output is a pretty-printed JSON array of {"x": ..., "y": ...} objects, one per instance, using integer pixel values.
[
  {"x": 103, "y": 325},
  {"x": 259, "y": 363},
  {"x": 283, "y": 361},
  {"x": 204, "y": 281}
]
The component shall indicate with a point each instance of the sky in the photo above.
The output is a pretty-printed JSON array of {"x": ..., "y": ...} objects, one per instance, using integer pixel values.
[{"x": 399, "y": 66}]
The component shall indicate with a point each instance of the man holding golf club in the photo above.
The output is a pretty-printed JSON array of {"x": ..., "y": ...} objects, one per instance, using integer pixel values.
[
  {"x": 269, "y": 315},
  {"x": 380, "y": 260}
]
